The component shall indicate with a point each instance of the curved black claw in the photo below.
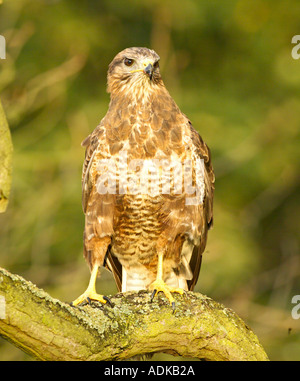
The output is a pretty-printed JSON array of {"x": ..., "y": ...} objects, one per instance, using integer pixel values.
[
  {"x": 108, "y": 301},
  {"x": 152, "y": 295},
  {"x": 173, "y": 307}
]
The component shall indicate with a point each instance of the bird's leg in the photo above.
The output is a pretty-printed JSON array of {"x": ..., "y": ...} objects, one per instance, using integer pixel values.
[
  {"x": 159, "y": 284},
  {"x": 90, "y": 293}
]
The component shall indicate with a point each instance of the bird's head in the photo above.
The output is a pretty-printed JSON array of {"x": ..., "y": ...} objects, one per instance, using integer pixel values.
[{"x": 134, "y": 67}]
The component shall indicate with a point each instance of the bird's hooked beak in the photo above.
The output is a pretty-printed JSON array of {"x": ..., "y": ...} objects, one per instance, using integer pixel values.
[{"x": 148, "y": 69}]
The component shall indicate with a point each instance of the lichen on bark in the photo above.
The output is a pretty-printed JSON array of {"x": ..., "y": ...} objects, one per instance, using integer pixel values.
[{"x": 49, "y": 329}]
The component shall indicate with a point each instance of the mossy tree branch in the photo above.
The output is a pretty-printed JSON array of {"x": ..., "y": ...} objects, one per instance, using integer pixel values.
[
  {"x": 49, "y": 329},
  {"x": 6, "y": 149}
]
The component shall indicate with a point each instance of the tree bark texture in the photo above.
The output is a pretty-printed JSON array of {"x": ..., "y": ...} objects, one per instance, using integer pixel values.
[
  {"x": 49, "y": 329},
  {"x": 6, "y": 149}
]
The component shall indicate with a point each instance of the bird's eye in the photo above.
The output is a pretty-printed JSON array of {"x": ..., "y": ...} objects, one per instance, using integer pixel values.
[{"x": 128, "y": 62}]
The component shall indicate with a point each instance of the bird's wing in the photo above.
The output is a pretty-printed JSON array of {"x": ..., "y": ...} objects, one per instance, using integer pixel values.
[
  {"x": 99, "y": 208},
  {"x": 203, "y": 212},
  {"x": 186, "y": 224},
  {"x": 91, "y": 144}
]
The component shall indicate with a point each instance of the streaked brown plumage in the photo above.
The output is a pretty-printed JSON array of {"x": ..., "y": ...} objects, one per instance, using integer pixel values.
[{"x": 126, "y": 231}]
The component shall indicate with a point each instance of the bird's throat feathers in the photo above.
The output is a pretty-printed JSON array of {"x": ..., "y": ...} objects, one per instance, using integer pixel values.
[
  {"x": 141, "y": 96},
  {"x": 137, "y": 88}
]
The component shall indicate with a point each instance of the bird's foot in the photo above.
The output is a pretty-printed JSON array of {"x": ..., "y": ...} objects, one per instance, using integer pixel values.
[
  {"x": 89, "y": 295},
  {"x": 159, "y": 285}
]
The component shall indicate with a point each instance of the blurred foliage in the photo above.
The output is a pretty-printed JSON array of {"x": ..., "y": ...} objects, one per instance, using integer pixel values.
[{"x": 229, "y": 67}]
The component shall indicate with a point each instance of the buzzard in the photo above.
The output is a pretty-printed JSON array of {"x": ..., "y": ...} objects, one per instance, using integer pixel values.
[{"x": 147, "y": 185}]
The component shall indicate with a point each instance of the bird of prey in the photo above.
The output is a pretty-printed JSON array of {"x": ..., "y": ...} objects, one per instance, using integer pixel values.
[{"x": 147, "y": 185}]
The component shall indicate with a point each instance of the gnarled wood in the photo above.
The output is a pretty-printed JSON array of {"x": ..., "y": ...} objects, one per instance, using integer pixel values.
[{"x": 49, "y": 329}]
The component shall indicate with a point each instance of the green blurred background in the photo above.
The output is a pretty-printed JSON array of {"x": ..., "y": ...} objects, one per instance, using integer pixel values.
[{"x": 228, "y": 65}]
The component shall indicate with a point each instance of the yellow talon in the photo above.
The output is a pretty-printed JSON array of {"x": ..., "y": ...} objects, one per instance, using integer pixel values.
[
  {"x": 159, "y": 285},
  {"x": 88, "y": 296},
  {"x": 90, "y": 293}
]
